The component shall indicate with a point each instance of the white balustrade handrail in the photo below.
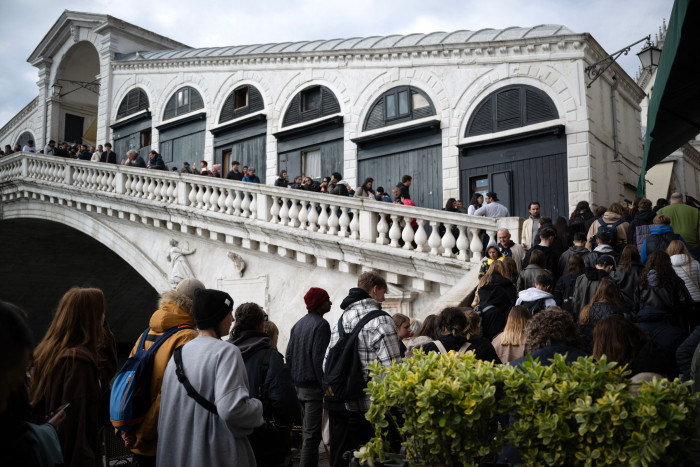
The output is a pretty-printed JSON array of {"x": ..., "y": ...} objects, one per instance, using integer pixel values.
[{"x": 429, "y": 231}]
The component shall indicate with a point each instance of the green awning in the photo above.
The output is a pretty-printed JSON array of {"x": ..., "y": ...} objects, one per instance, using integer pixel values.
[{"x": 674, "y": 109}]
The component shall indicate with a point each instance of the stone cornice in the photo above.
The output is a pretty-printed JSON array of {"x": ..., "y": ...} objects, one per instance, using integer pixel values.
[
  {"x": 689, "y": 152},
  {"x": 558, "y": 47},
  {"x": 20, "y": 116}
]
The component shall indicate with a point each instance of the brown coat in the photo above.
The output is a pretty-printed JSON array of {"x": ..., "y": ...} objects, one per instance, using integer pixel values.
[
  {"x": 610, "y": 218},
  {"x": 76, "y": 380},
  {"x": 171, "y": 313}
]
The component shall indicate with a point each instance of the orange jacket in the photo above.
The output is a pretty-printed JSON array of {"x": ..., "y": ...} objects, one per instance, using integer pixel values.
[{"x": 174, "y": 311}]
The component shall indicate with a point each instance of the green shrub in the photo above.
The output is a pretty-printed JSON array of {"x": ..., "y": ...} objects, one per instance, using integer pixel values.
[
  {"x": 450, "y": 406},
  {"x": 580, "y": 413}
]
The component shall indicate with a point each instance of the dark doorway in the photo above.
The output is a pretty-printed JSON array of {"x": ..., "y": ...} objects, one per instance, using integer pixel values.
[
  {"x": 60, "y": 257},
  {"x": 74, "y": 128},
  {"x": 520, "y": 169}
]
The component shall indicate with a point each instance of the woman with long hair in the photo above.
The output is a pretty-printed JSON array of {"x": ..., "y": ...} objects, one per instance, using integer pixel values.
[
  {"x": 605, "y": 302},
  {"x": 365, "y": 190},
  {"x": 450, "y": 205},
  {"x": 510, "y": 344},
  {"x": 459, "y": 331},
  {"x": 425, "y": 334},
  {"x": 660, "y": 287},
  {"x": 580, "y": 218},
  {"x": 686, "y": 267},
  {"x": 495, "y": 295},
  {"x": 564, "y": 290},
  {"x": 66, "y": 370},
  {"x": 512, "y": 272},
  {"x": 626, "y": 275},
  {"x": 562, "y": 229},
  {"x": 475, "y": 203},
  {"x": 403, "y": 330},
  {"x": 272, "y": 385}
]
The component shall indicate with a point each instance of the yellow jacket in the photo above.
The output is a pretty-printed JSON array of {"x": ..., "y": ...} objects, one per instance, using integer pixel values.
[{"x": 174, "y": 311}]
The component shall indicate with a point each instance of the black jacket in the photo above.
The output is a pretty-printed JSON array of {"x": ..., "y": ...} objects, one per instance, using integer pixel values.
[
  {"x": 627, "y": 282},
  {"x": 581, "y": 251},
  {"x": 306, "y": 348},
  {"x": 483, "y": 350},
  {"x": 685, "y": 352},
  {"x": 598, "y": 312},
  {"x": 674, "y": 301},
  {"x": 551, "y": 254},
  {"x": 231, "y": 175},
  {"x": 640, "y": 218},
  {"x": 657, "y": 324},
  {"x": 564, "y": 292},
  {"x": 495, "y": 300},
  {"x": 545, "y": 354},
  {"x": 109, "y": 157},
  {"x": 586, "y": 285}
]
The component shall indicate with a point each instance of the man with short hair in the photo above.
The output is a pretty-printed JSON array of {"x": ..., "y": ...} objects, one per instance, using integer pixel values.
[
  {"x": 50, "y": 149},
  {"x": 133, "y": 159},
  {"x": 155, "y": 161},
  {"x": 509, "y": 248},
  {"x": 406, "y": 181},
  {"x": 377, "y": 340},
  {"x": 234, "y": 174},
  {"x": 29, "y": 147},
  {"x": 204, "y": 168},
  {"x": 250, "y": 176},
  {"x": 108, "y": 156},
  {"x": 579, "y": 249},
  {"x": 531, "y": 226},
  {"x": 539, "y": 297},
  {"x": 174, "y": 311},
  {"x": 493, "y": 208},
  {"x": 306, "y": 348},
  {"x": 338, "y": 186},
  {"x": 685, "y": 220},
  {"x": 639, "y": 225},
  {"x": 84, "y": 154},
  {"x": 212, "y": 429},
  {"x": 546, "y": 246}
]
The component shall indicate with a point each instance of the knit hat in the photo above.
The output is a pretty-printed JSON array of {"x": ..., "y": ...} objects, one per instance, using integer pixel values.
[
  {"x": 491, "y": 245},
  {"x": 187, "y": 286},
  {"x": 314, "y": 298},
  {"x": 209, "y": 307}
]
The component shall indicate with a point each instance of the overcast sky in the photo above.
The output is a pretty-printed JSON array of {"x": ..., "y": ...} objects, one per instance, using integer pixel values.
[{"x": 202, "y": 23}]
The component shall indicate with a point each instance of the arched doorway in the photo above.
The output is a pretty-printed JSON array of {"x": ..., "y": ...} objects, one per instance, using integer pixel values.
[{"x": 76, "y": 89}]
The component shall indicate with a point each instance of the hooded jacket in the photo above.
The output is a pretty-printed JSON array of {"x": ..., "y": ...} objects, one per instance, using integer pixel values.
[
  {"x": 586, "y": 285},
  {"x": 689, "y": 270},
  {"x": 533, "y": 294},
  {"x": 575, "y": 250},
  {"x": 674, "y": 301},
  {"x": 659, "y": 238},
  {"x": 640, "y": 218},
  {"x": 609, "y": 218},
  {"x": 173, "y": 311},
  {"x": 627, "y": 282},
  {"x": 527, "y": 277}
]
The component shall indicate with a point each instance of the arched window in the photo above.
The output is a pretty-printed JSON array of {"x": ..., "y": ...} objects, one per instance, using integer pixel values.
[
  {"x": 397, "y": 105},
  {"x": 135, "y": 101},
  {"x": 242, "y": 101},
  {"x": 184, "y": 101},
  {"x": 511, "y": 107},
  {"x": 24, "y": 137},
  {"x": 311, "y": 103}
]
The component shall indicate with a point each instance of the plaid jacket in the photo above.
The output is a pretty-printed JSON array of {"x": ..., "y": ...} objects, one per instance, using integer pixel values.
[{"x": 377, "y": 341}]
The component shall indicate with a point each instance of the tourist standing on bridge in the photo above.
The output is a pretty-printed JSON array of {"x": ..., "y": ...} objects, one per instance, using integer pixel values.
[
  {"x": 531, "y": 225},
  {"x": 108, "y": 156},
  {"x": 234, "y": 173},
  {"x": 307, "y": 345},
  {"x": 282, "y": 180},
  {"x": 29, "y": 147},
  {"x": 174, "y": 310},
  {"x": 73, "y": 364},
  {"x": 377, "y": 340},
  {"x": 685, "y": 221},
  {"x": 50, "y": 149},
  {"x": 250, "y": 176},
  {"x": 155, "y": 161},
  {"x": 492, "y": 208},
  {"x": 406, "y": 181},
  {"x": 133, "y": 159},
  {"x": 85, "y": 154},
  {"x": 337, "y": 185},
  {"x": 206, "y": 413},
  {"x": 97, "y": 155}
]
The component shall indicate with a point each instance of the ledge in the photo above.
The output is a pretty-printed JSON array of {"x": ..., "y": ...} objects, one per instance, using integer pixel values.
[
  {"x": 238, "y": 124},
  {"x": 557, "y": 130},
  {"x": 315, "y": 127},
  {"x": 128, "y": 121},
  {"x": 420, "y": 129},
  {"x": 182, "y": 121}
]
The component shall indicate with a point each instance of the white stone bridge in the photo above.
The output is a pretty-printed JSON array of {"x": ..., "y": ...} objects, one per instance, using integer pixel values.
[{"x": 258, "y": 242}]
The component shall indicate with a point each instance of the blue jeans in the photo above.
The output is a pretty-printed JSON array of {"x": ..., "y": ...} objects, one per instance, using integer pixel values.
[{"x": 311, "y": 400}]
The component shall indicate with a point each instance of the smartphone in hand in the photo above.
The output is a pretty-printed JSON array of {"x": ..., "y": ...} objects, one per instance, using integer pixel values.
[{"x": 58, "y": 412}]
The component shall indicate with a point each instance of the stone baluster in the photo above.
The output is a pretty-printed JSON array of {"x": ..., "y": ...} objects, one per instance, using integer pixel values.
[
  {"x": 382, "y": 229},
  {"x": 313, "y": 217},
  {"x": 139, "y": 186},
  {"x": 214, "y": 199},
  {"x": 92, "y": 176},
  {"x": 492, "y": 236},
  {"x": 407, "y": 234},
  {"x": 323, "y": 219},
  {"x": 284, "y": 212},
  {"x": 476, "y": 246},
  {"x": 222, "y": 200},
  {"x": 245, "y": 205},
  {"x": 421, "y": 237},
  {"x": 355, "y": 225},
  {"x": 275, "y": 210},
  {"x": 152, "y": 188},
  {"x": 237, "y": 203},
  {"x": 293, "y": 214},
  {"x": 254, "y": 207},
  {"x": 192, "y": 196},
  {"x": 448, "y": 241},
  {"x": 333, "y": 220},
  {"x": 127, "y": 184},
  {"x": 200, "y": 195},
  {"x": 395, "y": 231},
  {"x": 170, "y": 192},
  {"x": 303, "y": 214},
  {"x": 462, "y": 243},
  {"x": 343, "y": 222},
  {"x": 434, "y": 241},
  {"x": 230, "y": 201}
]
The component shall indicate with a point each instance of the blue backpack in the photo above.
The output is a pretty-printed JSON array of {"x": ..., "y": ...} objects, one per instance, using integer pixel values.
[
  {"x": 131, "y": 388},
  {"x": 611, "y": 229}
]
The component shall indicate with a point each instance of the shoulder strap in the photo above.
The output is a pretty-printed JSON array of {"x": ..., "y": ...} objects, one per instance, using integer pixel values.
[
  {"x": 163, "y": 337},
  {"x": 366, "y": 319},
  {"x": 464, "y": 347},
  {"x": 601, "y": 222},
  {"x": 142, "y": 341},
  {"x": 440, "y": 347},
  {"x": 180, "y": 372},
  {"x": 619, "y": 222}
]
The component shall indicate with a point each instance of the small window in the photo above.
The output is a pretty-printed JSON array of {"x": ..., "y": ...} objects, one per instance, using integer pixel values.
[
  {"x": 390, "y": 106},
  {"x": 398, "y": 105},
  {"x": 311, "y": 99},
  {"x": 403, "y": 104},
  {"x": 146, "y": 138},
  {"x": 311, "y": 163},
  {"x": 479, "y": 184},
  {"x": 185, "y": 100},
  {"x": 183, "y": 97},
  {"x": 241, "y": 98}
]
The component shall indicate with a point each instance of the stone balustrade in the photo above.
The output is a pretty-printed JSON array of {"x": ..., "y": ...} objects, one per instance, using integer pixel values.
[{"x": 423, "y": 233}]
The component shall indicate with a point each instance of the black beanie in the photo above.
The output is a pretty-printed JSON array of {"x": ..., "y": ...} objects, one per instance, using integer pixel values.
[{"x": 210, "y": 307}]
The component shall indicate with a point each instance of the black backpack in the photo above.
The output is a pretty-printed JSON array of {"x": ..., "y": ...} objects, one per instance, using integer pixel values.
[
  {"x": 535, "y": 306},
  {"x": 343, "y": 376},
  {"x": 611, "y": 229}
]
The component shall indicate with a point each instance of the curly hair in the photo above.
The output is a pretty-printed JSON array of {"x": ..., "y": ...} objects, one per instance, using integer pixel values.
[
  {"x": 453, "y": 320},
  {"x": 248, "y": 316},
  {"x": 549, "y": 327}
]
